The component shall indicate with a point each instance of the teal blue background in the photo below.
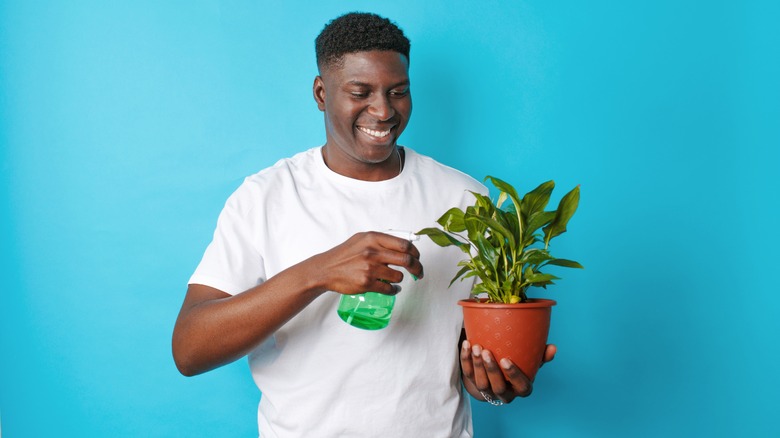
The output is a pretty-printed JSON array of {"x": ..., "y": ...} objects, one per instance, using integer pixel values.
[{"x": 124, "y": 126}]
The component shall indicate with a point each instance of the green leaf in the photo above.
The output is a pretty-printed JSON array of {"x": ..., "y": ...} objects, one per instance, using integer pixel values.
[
  {"x": 460, "y": 273},
  {"x": 440, "y": 237},
  {"x": 538, "y": 220},
  {"x": 483, "y": 204},
  {"x": 479, "y": 289},
  {"x": 510, "y": 220},
  {"x": 564, "y": 263},
  {"x": 530, "y": 240},
  {"x": 487, "y": 253},
  {"x": 501, "y": 198},
  {"x": 538, "y": 277},
  {"x": 505, "y": 188},
  {"x": 566, "y": 209},
  {"x": 474, "y": 228},
  {"x": 535, "y": 256},
  {"x": 536, "y": 200},
  {"x": 452, "y": 220},
  {"x": 507, "y": 287},
  {"x": 492, "y": 225}
]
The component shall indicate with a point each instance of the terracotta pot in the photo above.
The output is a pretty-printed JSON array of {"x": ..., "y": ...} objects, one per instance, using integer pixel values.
[{"x": 517, "y": 332}]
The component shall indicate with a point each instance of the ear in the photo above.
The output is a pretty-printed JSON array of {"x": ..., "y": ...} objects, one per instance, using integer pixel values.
[{"x": 318, "y": 89}]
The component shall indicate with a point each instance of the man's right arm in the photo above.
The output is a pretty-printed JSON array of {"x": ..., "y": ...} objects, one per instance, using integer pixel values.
[{"x": 215, "y": 328}]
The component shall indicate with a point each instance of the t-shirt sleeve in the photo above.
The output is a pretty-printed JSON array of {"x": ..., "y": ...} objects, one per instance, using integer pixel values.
[{"x": 232, "y": 262}]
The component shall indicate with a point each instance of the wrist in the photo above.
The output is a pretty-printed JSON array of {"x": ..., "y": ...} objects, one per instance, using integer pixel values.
[{"x": 312, "y": 275}]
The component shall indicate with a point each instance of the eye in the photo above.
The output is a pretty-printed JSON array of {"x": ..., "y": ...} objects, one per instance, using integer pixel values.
[
  {"x": 359, "y": 94},
  {"x": 399, "y": 93}
]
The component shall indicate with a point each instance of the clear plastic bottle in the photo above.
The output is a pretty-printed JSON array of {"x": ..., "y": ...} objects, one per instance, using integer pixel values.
[{"x": 371, "y": 310}]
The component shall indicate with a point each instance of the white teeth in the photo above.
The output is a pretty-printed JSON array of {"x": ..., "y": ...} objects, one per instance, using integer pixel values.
[{"x": 371, "y": 132}]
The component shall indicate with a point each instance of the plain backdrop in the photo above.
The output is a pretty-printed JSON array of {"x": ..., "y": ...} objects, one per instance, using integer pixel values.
[{"x": 125, "y": 125}]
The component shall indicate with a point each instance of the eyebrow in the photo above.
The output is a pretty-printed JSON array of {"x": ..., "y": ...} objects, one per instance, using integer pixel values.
[{"x": 363, "y": 84}]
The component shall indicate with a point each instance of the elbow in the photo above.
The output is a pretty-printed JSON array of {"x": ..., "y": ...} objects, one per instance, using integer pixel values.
[
  {"x": 183, "y": 364},
  {"x": 184, "y": 367},
  {"x": 184, "y": 358}
]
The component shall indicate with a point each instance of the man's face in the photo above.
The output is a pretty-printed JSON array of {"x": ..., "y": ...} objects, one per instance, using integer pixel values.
[{"x": 367, "y": 104}]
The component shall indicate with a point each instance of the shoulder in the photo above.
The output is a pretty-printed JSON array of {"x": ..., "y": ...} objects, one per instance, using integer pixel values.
[
  {"x": 285, "y": 168},
  {"x": 435, "y": 172},
  {"x": 276, "y": 180}
]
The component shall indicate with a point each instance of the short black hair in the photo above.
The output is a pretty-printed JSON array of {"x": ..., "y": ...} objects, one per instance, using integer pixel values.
[{"x": 358, "y": 32}]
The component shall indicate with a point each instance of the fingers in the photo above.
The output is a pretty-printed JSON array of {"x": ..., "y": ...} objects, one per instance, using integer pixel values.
[
  {"x": 367, "y": 262},
  {"x": 521, "y": 385},
  {"x": 481, "y": 380},
  {"x": 382, "y": 287},
  {"x": 381, "y": 251},
  {"x": 500, "y": 380},
  {"x": 396, "y": 244},
  {"x": 401, "y": 253},
  {"x": 549, "y": 353},
  {"x": 497, "y": 381},
  {"x": 467, "y": 367}
]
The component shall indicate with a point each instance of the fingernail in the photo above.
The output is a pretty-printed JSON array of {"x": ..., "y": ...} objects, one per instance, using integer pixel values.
[
  {"x": 506, "y": 364},
  {"x": 415, "y": 277},
  {"x": 476, "y": 350},
  {"x": 486, "y": 357},
  {"x": 466, "y": 345}
]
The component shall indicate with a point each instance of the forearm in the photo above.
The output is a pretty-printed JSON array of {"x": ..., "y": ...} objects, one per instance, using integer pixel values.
[
  {"x": 213, "y": 332},
  {"x": 214, "y": 328}
]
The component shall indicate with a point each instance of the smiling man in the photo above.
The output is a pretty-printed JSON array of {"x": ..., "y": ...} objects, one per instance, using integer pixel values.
[
  {"x": 367, "y": 104},
  {"x": 295, "y": 237}
]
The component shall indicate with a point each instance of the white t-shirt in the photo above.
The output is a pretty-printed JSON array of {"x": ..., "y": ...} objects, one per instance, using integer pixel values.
[{"x": 319, "y": 376}]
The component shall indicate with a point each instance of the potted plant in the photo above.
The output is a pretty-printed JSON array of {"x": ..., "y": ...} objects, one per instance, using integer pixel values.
[{"x": 507, "y": 244}]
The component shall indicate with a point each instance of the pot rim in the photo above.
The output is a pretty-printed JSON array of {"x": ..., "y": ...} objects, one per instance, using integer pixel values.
[{"x": 531, "y": 303}]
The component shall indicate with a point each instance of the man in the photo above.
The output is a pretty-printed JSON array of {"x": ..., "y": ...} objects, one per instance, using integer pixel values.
[{"x": 296, "y": 236}]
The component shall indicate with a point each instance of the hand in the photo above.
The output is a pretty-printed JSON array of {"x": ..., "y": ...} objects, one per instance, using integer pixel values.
[
  {"x": 360, "y": 264},
  {"x": 485, "y": 380}
]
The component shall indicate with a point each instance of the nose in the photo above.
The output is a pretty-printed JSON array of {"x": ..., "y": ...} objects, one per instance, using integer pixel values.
[{"x": 381, "y": 108}]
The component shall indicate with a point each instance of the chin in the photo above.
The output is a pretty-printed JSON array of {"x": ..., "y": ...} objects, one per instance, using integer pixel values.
[{"x": 377, "y": 154}]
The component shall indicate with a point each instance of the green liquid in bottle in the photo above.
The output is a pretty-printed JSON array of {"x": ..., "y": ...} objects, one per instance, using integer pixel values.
[{"x": 368, "y": 311}]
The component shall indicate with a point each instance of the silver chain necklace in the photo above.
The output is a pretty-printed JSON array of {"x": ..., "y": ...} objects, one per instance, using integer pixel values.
[{"x": 400, "y": 161}]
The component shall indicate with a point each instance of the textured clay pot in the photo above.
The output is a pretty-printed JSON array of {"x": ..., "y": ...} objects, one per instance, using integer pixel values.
[{"x": 517, "y": 332}]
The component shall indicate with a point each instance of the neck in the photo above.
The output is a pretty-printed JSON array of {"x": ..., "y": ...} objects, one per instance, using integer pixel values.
[{"x": 351, "y": 167}]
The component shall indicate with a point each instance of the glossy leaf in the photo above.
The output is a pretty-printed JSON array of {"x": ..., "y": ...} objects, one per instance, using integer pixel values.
[
  {"x": 474, "y": 228},
  {"x": 487, "y": 252},
  {"x": 510, "y": 191},
  {"x": 565, "y": 263},
  {"x": 501, "y": 198},
  {"x": 538, "y": 220},
  {"x": 536, "y": 200},
  {"x": 506, "y": 249},
  {"x": 495, "y": 227},
  {"x": 452, "y": 220},
  {"x": 539, "y": 277},
  {"x": 484, "y": 205},
  {"x": 463, "y": 271},
  {"x": 504, "y": 187},
  {"x": 535, "y": 256},
  {"x": 566, "y": 209},
  {"x": 440, "y": 237}
]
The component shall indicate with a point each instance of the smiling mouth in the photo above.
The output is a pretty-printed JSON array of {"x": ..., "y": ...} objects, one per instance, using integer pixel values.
[{"x": 374, "y": 133}]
